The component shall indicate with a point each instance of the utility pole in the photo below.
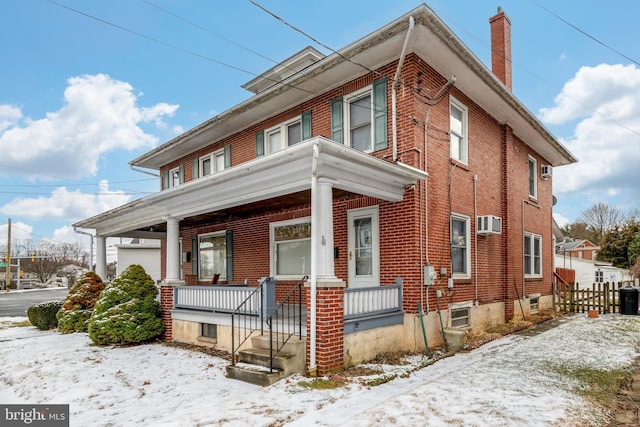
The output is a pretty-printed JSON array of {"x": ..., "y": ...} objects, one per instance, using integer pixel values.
[{"x": 8, "y": 268}]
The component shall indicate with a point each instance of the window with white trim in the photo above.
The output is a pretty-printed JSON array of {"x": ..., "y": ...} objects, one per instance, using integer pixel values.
[
  {"x": 532, "y": 255},
  {"x": 284, "y": 135},
  {"x": 174, "y": 176},
  {"x": 212, "y": 255},
  {"x": 460, "y": 317},
  {"x": 290, "y": 243},
  {"x": 360, "y": 118},
  {"x": 458, "y": 118},
  {"x": 212, "y": 163},
  {"x": 460, "y": 250},
  {"x": 534, "y": 303},
  {"x": 533, "y": 177},
  {"x": 599, "y": 276}
]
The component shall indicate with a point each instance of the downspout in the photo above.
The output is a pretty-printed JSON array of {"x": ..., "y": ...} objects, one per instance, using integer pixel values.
[
  {"x": 314, "y": 254},
  {"x": 91, "y": 246},
  {"x": 394, "y": 86},
  {"x": 475, "y": 235}
]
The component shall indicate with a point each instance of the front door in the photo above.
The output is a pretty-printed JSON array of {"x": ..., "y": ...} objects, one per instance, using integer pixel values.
[{"x": 363, "y": 247}]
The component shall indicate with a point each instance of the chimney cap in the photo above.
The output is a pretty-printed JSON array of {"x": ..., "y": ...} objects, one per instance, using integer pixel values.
[{"x": 500, "y": 9}]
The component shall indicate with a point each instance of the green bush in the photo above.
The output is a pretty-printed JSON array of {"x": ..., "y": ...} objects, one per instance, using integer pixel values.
[
  {"x": 127, "y": 311},
  {"x": 78, "y": 306},
  {"x": 43, "y": 315}
]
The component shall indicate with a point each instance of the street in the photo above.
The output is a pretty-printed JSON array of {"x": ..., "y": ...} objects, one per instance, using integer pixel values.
[{"x": 15, "y": 303}]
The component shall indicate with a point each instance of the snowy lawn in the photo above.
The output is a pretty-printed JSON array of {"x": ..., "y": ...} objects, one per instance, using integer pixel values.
[{"x": 517, "y": 380}]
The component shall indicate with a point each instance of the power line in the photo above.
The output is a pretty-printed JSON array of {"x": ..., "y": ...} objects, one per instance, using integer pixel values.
[
  {"x": 584, "y": 32},
  {"x": 169, "y": 45}
]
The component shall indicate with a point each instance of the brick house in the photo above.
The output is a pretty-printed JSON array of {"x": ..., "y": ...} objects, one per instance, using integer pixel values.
[{"x": 397, "y": 174}]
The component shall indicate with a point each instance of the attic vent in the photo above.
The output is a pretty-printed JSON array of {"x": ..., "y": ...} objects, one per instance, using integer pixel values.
[{"x": 489, "y": 224}]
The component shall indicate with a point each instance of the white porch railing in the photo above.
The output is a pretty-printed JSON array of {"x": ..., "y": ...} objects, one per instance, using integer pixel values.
[
  {"x": 360, "y": 302},
  {"x": 215, "y": 298}
]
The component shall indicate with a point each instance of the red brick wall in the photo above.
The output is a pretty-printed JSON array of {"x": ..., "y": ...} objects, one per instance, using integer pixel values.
[
  {"x": 497, "y": 169},
  {"x": 329, "y": 330},
  {"x": 166, "y": 301}
]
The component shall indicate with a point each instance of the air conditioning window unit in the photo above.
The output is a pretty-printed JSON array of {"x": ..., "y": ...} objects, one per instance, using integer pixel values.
[
  {"x": 547, "y": 171},
  {"x": 489, "y": 224}
]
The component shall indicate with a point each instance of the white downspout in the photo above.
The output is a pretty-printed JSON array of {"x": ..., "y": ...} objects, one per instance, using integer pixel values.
[
  {"x": 394, "y": 125},
  {"x": 314, "y": 251},
  {"x": 475, "y": 238}
]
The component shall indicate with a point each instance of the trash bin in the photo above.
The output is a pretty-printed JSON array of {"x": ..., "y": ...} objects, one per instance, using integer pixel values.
[{"x": 629, "y": 300}]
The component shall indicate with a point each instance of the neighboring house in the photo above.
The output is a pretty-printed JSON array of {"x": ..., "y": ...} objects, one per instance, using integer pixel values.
[
  {"x": 359, "y": 168},
  {"x": 144, "y": 252},
  {"x": 580, "y": 256}
]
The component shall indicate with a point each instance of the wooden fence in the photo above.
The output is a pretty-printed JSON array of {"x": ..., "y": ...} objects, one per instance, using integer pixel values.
[{"x": 603, "y": 297}]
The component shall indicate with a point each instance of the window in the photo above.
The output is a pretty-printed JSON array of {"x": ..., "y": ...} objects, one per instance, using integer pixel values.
[
  {"x": 532, "y": 255},
  {"x": 360, "y": 119},
  {"x": 284, "y": 135},
  {"x": 459, "y": 317},
  {"x": 290, "y": 248},
  {"x": 209, "y": 330},
  {"x": 533, "y": 178},
  {"x": 534, "y": 303},
  {"x": 212, "y": 255},
  {"x": 212, "y": 163},
  {"x": 173, "y": 177},
  {"x": 599, "y": 276},
  {"x": 460, "y": 253},
  {"x": 458, "y": 131}
]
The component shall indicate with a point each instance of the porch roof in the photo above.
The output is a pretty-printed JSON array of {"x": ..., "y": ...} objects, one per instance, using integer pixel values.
[{"x": 285, "y": 172}]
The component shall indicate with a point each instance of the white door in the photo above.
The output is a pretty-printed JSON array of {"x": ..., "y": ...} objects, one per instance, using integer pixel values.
[{"x": 363, "y": 247}]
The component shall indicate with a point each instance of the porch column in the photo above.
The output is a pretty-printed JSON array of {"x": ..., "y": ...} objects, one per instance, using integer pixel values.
[
  {"x": 101, "y": 257},
  {"x": 323, "y": 210},
  {"x": 173, "y": 252}
]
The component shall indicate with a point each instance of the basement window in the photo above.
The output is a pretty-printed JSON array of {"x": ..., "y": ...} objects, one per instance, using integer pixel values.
[
  {"x": 460, "y": 317},
  {"x": 534, "y": 303},
  {"x": 209, "y": 330}
]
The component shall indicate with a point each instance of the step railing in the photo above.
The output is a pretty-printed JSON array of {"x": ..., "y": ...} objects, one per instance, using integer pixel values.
[
  {"x": 279, "y": 320},
  {"x": 247, "y": 317}
]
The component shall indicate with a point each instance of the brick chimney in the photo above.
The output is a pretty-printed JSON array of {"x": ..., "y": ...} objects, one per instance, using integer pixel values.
[{"x": 501, "y": 47}]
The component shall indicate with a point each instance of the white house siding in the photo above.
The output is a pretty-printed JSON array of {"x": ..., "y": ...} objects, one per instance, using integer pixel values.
[
  {"x": 585, "y": 270},
  {"x": 145, "y": 254}
]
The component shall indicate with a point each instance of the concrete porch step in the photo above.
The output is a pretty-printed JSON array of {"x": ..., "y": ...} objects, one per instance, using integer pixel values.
[
  {"x": 260, "y": 356},
  {"x": 254, "y": 374},
  {"x": 294, "y": 345}
]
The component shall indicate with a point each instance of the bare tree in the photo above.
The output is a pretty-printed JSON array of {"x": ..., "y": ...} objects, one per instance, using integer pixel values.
[{"x": 601, "y": 218}]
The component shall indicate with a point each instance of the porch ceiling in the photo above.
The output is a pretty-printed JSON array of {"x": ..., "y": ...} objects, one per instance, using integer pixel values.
[{"x": 284, "y": 176}]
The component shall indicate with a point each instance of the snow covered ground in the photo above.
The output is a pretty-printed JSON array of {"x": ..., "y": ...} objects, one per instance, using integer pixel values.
[{"x": 507, "y": 382}]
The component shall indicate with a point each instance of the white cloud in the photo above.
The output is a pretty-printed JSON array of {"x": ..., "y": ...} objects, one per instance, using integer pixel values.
[
  {"x": 19, "y": 232},
  {"x": 9, "y": 116},
  {"x": 65, "y": 204},
  {"x": 561, "y": 220},
  {"x": 606, "y": 139},
  {"x": 99, "y": 115}
]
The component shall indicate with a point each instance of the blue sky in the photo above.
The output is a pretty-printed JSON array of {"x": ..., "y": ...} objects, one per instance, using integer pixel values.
[{"x": 80, "y": 98}]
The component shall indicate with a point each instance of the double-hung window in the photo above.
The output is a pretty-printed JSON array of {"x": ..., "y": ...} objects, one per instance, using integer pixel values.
[
  {"x": 360, "y": 118},
  {"x": 173, "y": 177},
  {"x": 212, "y": 163},
  {"x": 290, "y": 248},
  {"x": 532, "y": 255},
  {"x": 533, "y": 177},
  {"x": 460, "y": 249},
  {"x": 458, "y": 124},
  {"x": 284, "y": 135}
]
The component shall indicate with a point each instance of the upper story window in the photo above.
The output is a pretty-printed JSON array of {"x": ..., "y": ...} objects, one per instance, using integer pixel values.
[
  {"x": 532, "y": 255},
  {"x": 458, "y": 117},
  {"x": 284, "y": 135},
  {"x": 173, "y": 177},
  {"x": 599, "y": 278},
  {"x": 360, "y": 119},
  {"x": 460, "y": 249},
  {"x": 533, "y": 177},
  {"x": 212, "y": 163}
]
